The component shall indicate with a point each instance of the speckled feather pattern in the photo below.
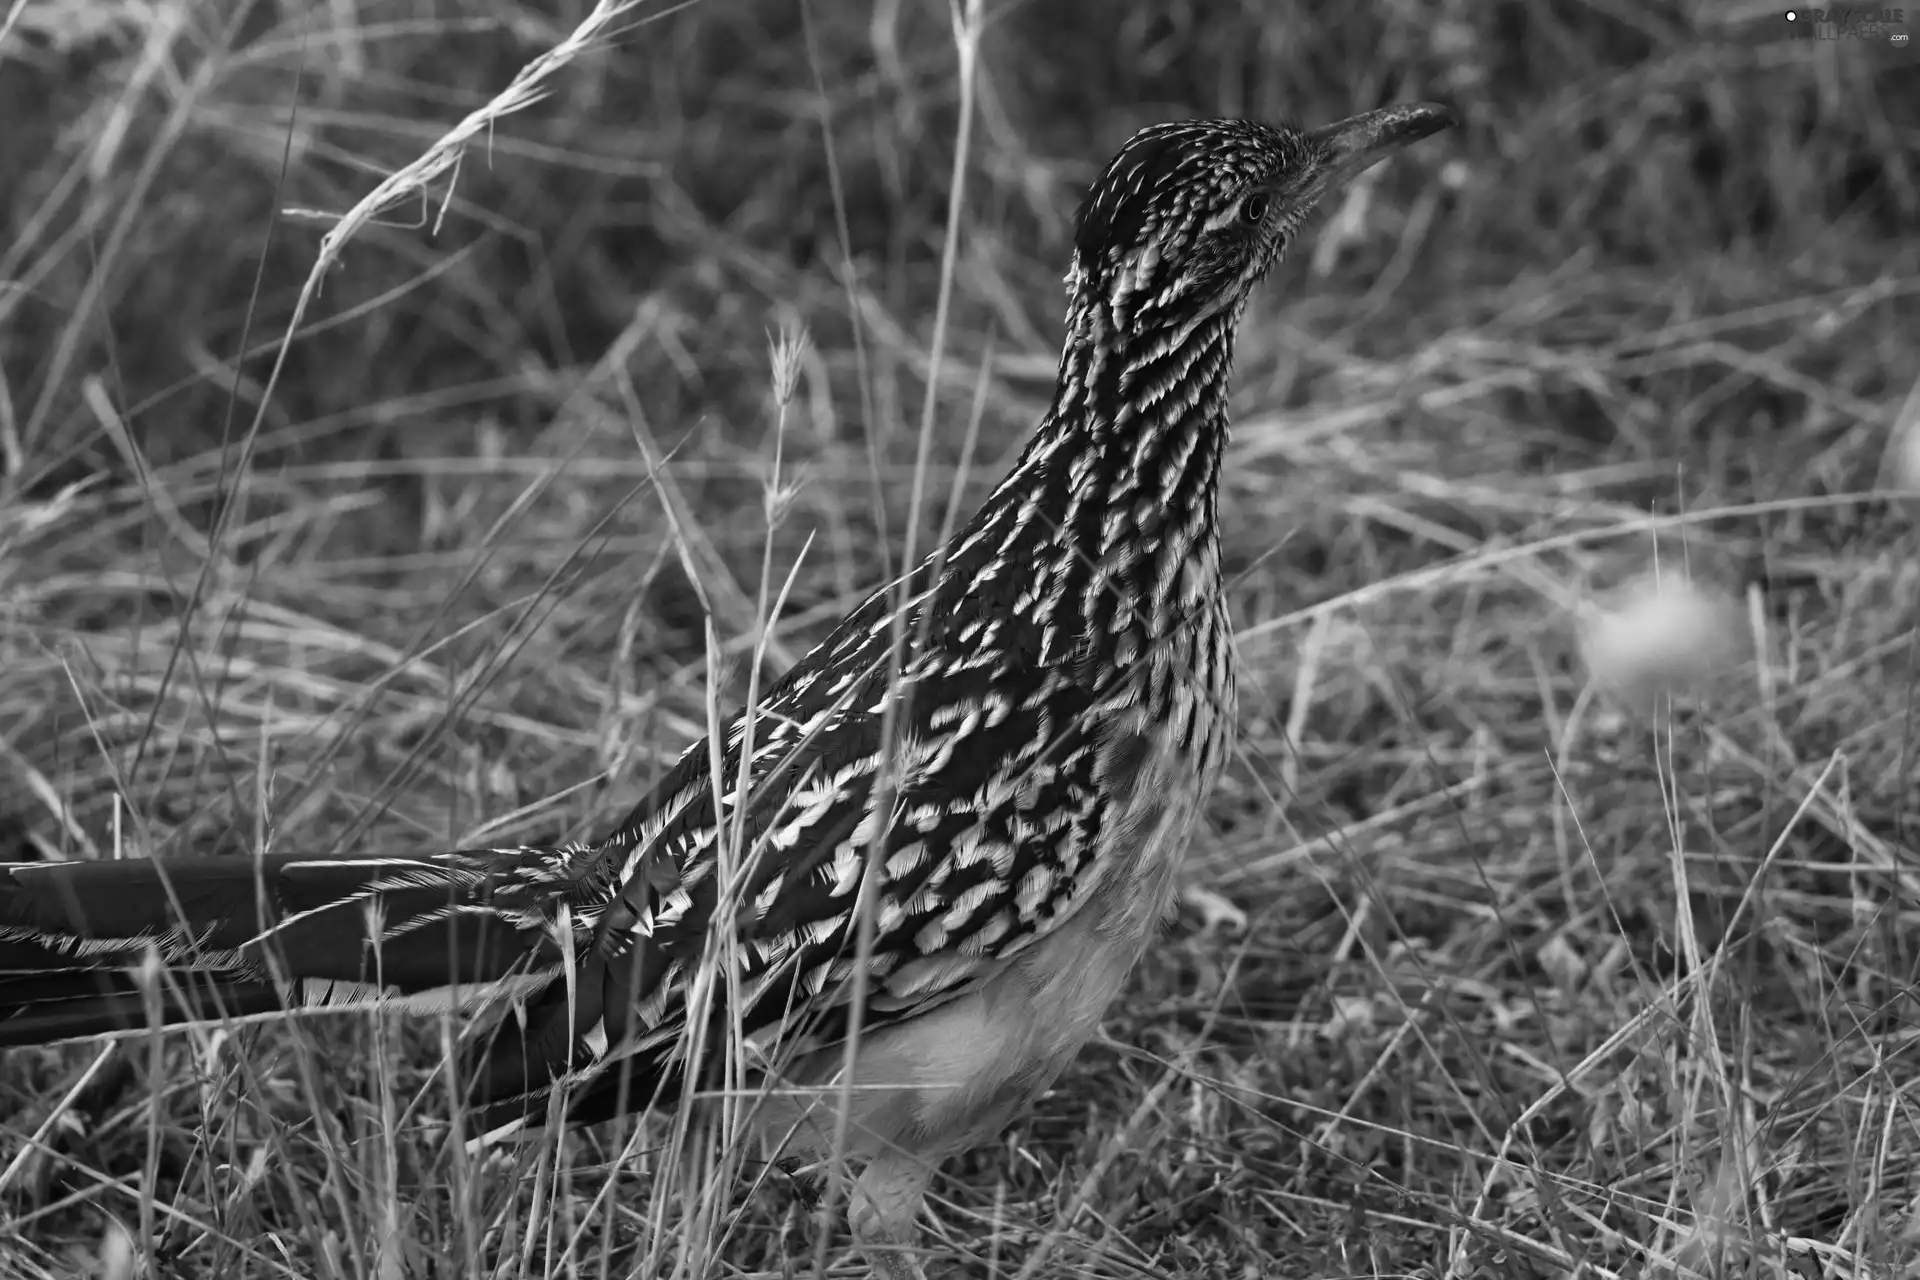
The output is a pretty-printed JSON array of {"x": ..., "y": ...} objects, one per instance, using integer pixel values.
[{"x": 1066, "y": 651}]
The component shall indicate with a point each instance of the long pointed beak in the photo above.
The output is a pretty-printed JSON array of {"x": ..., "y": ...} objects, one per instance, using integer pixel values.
[{"x": 1356, "y": 144}]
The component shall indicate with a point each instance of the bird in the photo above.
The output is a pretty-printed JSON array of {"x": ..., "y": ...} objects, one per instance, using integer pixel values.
[{"x": 901, "y": 889}]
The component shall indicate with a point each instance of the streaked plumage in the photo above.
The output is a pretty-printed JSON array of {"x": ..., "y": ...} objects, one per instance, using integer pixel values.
[{"x": 1064, "y": 705}]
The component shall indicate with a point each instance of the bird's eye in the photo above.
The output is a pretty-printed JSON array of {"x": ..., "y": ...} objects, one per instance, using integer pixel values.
[{"x": 1254, "y": 210}]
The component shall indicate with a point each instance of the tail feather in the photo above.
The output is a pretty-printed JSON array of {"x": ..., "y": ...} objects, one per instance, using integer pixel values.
[
  {"x": 114, "y": 948},
  {"x": 71, "y": 1006},
  {"x": 99, "y": 947}
]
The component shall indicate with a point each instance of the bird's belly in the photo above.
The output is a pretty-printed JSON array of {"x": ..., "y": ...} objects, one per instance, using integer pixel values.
[{"x": 952, "y": 1077}]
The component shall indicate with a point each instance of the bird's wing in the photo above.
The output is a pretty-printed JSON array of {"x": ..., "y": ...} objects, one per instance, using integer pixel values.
[{"x": 998, "y": 770}]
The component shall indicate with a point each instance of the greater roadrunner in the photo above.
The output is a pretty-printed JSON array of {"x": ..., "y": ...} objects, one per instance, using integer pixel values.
[{"x": 1062, "y": 704}]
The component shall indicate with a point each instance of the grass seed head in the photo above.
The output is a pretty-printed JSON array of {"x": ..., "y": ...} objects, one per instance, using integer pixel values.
[{"x": 1660, "y": 633}]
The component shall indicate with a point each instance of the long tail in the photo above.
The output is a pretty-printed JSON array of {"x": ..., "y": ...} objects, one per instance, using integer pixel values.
[{"x": 94, "y": 948}]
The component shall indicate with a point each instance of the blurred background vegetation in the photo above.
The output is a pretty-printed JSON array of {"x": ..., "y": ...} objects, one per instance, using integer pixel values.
[{"x": 1667, "y": 268}]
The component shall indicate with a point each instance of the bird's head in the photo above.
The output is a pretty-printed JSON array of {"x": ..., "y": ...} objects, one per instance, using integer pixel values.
[{"x": 1188, "y": 217}]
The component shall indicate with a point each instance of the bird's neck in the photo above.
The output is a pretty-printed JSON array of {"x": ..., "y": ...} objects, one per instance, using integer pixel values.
[
  {"x": 1140, "y": 424},
  {"x": 1137, "y": 431},
  {"x": 1109, "y": 519}
]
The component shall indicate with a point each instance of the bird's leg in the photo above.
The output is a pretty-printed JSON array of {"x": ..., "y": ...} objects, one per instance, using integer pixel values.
[{"x": 885, "y": 1200}]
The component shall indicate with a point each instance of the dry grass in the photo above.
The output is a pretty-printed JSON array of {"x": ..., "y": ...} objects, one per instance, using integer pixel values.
[{"x": 1535, "y": 982}]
